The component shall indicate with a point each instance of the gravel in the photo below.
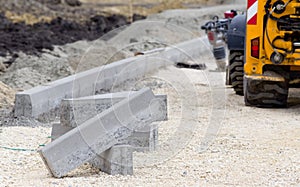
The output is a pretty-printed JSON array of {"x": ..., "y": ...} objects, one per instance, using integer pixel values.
[{"x": 258, "y": 147}]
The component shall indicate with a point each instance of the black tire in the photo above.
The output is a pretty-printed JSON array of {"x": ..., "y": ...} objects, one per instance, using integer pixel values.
[
  {"x": 236, "y": 71},
  {"x": 266, "y": 94},
  {"x": 219, "y": 53}
]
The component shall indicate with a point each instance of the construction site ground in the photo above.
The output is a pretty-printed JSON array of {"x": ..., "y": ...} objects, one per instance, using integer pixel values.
[{"x": 210, "y": 139}]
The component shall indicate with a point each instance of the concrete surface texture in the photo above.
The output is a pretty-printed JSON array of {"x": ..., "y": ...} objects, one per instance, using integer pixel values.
[
  {"x": 74, "y": 112},
  {"x": 117, "y": 160},
  {"x": 141, "y": 140},
  {"x": 42, "y": 99},
  {"x": 100, "y": 133},
  {"x": 121, "y": 163}
]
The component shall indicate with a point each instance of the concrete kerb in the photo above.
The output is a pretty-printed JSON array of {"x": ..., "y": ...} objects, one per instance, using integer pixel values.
[
  {"x": 100, "y": 133},
  {"x": 117, "y": 160},
  {"x": 74, "y": 112},
  {"x": 42, "y": 99},
  {"x": 141, "y": 140},
  {"x": 107, "y": 161}
]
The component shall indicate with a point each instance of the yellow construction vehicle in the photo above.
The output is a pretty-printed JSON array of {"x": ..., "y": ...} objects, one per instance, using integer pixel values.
[
  {"x": 272, "y": 58},
  {"x": 264, "y": 50},
  {"x": 270, "y": 62}
]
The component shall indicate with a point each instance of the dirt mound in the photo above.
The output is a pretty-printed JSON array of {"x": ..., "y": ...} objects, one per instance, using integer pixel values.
[
  {"x": 33, "y": 39},
  {"x": 31, "y": 70},
  {"x": 32, "y": 26}
]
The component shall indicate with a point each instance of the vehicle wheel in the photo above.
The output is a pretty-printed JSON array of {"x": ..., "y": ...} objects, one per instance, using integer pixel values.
[
  {"x": 219, "y": 52},
  {"x": 236, "y": 71},
  {"x": 266, "y": 94}
]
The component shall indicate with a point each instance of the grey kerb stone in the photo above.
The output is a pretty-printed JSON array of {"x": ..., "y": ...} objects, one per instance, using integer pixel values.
[{"x": 102, "y": 132}]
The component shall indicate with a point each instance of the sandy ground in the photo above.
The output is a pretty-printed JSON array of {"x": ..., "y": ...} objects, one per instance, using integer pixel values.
[
  {"x": 247, "y": 146},
  {"x": 210, "y": 139}
]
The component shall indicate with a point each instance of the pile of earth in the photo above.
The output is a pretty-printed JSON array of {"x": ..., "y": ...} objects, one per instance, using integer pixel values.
[
  {"x": 32, "y": 39},
  {"x": 35, "y": 25}
]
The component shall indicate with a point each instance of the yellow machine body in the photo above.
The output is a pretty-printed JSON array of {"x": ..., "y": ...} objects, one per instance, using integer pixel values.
[{"x": 272, "y": 36}]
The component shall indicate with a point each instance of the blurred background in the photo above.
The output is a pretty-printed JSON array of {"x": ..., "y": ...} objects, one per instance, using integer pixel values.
[{"x": 37, "y": 36}]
